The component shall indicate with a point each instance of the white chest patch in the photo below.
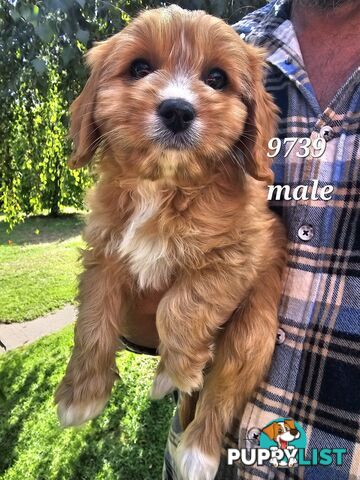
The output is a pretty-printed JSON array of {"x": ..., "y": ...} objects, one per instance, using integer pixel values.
[{"x": 146, "y": 254}]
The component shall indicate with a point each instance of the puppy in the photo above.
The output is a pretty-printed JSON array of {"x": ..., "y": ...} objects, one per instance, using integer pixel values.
[
  {"x": 176, "y": 110},
  {"x": 282, "y": 432}
]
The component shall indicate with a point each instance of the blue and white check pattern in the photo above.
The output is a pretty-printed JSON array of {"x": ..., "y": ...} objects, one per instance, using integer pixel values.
[{"x": 315, "y": 373}]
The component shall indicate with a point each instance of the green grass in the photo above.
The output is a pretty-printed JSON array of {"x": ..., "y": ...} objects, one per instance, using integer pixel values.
[
  {"x": 38, "y": 269},
  {"x": 38, "y": 266},
  {"x": 125, "y": 443}
]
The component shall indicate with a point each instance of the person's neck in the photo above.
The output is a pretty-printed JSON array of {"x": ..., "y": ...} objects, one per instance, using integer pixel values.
[
  {"x": 329, "y": 40},
  {"x": 340, "y": 20}
]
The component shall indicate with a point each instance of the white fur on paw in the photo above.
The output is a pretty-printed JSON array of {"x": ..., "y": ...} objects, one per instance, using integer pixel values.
[
  {"x": 76, "y": 414},
  {"x": 162, "y": 385},
  {"x": 195, "y": 464}
]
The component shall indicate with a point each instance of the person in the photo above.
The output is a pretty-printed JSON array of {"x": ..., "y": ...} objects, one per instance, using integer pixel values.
[{"x": 313, "y": 52}]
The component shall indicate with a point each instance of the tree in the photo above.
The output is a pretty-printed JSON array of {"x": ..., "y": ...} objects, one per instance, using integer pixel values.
[{"x": 41, "y": 62}]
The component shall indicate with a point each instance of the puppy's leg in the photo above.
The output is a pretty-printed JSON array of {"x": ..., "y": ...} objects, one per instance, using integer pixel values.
[
  {"x": 162, "y": 384},
  {"x": 243, "y": 354},
  {"x": 187, "y": 320},
  {"x": 91, "y": 372},
  {"x": 187, "y": 408}
]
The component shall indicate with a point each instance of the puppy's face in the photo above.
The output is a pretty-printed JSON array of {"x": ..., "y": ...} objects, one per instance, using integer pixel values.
[
  {"x": 285, "y": 431},
  {"x": 175, "y": 90}
]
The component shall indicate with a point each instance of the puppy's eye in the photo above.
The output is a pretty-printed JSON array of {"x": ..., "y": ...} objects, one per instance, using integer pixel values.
[
  {"x": 140, "y": 68},
  {"x": 216, "y": 79}
]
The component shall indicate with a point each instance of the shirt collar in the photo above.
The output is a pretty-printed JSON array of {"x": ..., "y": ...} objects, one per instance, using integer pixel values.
[
  {"x": 286, "y": 36},
  {"x": 259, "y": 26}
]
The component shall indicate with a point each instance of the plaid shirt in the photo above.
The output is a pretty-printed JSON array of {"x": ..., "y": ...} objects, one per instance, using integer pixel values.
[{"x": 315, "y": 373}]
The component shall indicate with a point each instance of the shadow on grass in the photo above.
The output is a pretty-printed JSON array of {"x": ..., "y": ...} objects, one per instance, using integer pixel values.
[
  {"x": 12, "y": 412},
  {"x": 43, "y": 229},
  {"x": 140, "y": 458},
  {"x": 126, "y": 442}
]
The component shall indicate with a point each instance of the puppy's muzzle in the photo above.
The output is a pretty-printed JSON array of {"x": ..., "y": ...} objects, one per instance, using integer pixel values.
[{"x": 176, "y": 114}]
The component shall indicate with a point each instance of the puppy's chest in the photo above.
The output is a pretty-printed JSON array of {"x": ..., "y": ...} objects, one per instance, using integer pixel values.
[{"x": 147, "y": 252}]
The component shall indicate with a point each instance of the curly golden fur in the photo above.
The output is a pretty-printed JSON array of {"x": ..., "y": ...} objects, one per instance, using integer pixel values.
[{"x": 189, "y": 220}]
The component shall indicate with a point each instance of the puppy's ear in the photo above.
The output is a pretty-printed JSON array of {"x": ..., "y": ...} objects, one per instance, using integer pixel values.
[
  {"x": 83, "y": 129},
  {"x": 261, "y": 122},
  {"x": 270, "y": 431},
  {"x": 291, "y": 424}
]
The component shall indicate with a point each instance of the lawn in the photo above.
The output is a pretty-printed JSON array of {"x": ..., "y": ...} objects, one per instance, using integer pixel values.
[
  {"x": 125, "y": 443},
  {"x": 38, "y": 266}
]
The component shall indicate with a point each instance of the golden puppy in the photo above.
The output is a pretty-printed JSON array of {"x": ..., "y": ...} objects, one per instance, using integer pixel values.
[{"x": 176, "y": 108}]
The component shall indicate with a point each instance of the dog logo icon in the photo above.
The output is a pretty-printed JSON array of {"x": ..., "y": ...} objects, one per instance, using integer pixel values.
[{"x": 283, "y": 437}]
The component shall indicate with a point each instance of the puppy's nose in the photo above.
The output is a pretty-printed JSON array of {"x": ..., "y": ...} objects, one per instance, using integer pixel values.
[
  {"x": 177, "y": 114},
  {"x": 293, "y": 431}
]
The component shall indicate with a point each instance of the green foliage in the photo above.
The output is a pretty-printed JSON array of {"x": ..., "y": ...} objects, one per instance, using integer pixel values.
[
  {"x": 126, "y": 442},
  {"x": 38, "y": 266},
  {"x": 41, "y": 53}
]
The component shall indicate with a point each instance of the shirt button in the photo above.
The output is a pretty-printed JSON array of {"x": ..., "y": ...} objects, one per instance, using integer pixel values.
[
  {"x": 280, "y": 336},
  {"x": 326, "y": 132},
  {"x": 254, "y": 435},
  {"x": 306, "y": 232},
  {"x": 288, "y": 60}
]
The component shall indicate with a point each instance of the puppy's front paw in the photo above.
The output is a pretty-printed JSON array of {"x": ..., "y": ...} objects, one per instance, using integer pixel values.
[
  {"x": 162, "y": 385},
  {"x": 77, "y": 413},
  {"x": 185, "y": 371},
  {"x": 185, "y": 378},
  {"x": 82, "y": 400},
  {"x": 190, "y": 383},
  {"x": 195, "y": 464}
]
